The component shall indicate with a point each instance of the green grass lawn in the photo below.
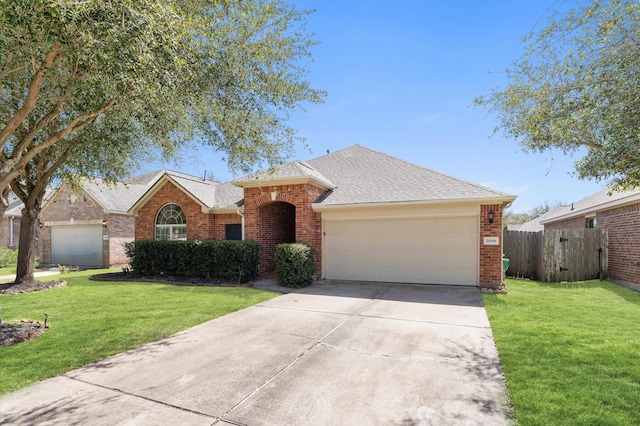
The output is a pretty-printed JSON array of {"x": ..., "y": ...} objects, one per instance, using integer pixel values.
[
  {"x": 570, "y": 351},
  {"x": 91, "y": 320},
  {"x": 9, "y": 270}
]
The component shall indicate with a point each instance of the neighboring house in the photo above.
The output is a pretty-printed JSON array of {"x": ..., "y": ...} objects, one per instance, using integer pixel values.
[
  {"x": 370, "y": 216},
  {"x": 89, "y": 226},
  {"x": 619, "y": 214},
  {"x": 535, "y": 225},
  {"x": 10, "y": 225}
]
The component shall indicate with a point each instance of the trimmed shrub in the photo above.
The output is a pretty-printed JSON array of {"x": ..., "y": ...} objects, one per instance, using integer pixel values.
[
  {"x": 8, "y": 257},
  {"x": 295, "y": 264},
  {"x": 229, "y": 260}
]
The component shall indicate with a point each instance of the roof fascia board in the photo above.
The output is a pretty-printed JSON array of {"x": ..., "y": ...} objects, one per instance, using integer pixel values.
[
  {"x": 479, "y": 201},
  {"x": 258, "y": 183},
  {"x": 632, "y": 199}
]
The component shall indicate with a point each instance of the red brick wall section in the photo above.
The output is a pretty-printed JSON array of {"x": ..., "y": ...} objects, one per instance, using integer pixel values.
[
  {"x": 308, "y": 223},
  {"x": 575, "y": 223},
  {"x": 490, "y": 256},
  {"x": 199, "y": 225},
  {"x": 220, "y": 222},
  {"x": 121, "y": 230},
  {"x": 276, "y": 225},
  {"x": 623, "y": 226}
]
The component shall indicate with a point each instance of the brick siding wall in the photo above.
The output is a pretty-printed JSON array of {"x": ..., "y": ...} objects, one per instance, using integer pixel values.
[
  {"x": 276, "y": 225},
  {"x": 490, "y": 256},
  {"x": 199, "y": 225},
  {"x": 308, "y": 225},
  {"x": 623, "y": 226},
  {"x": 121, "y": 231},
  {"x": 220, "y": 223},
  {"x": 574, "y": 223}
]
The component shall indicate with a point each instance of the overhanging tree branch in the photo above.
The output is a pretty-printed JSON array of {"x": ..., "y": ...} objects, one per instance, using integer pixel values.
[{"x": 32, "y": 94}]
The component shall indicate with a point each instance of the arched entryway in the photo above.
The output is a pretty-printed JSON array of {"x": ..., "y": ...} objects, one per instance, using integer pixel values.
[{"x": 276, "y": 225}]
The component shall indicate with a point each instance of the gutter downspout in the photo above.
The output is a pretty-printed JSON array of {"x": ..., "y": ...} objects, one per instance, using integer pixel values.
[
  {"x": 242, "y": 226},
  {"x": 11, "y": 231}
]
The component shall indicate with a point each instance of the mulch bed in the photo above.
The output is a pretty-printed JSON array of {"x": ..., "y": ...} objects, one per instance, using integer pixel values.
[
  {"x": 11, "y": 288},
  {"x": 23, "y": 330},
  {"x": 20, "y": 331}
]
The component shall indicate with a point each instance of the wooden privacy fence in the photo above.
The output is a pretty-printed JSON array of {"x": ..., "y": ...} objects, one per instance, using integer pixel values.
[
  {"x": 557, "y": 255},
  {"x": 524, "y": 251}
]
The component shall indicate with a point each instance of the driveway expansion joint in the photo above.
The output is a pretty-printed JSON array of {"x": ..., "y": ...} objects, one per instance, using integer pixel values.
[{"x": 134, "y": 395}]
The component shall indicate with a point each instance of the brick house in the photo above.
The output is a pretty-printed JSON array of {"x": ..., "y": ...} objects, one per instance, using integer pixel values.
[
  {"x": 10, "y": 225},
  {"x": 370, "y": 216},
  {"x": 89, "y": 226},
  {"x": 619, "y": 214}
]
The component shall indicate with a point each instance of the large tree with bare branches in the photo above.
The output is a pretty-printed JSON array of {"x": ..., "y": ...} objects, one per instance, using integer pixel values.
[{"x": 118, "y": 79}]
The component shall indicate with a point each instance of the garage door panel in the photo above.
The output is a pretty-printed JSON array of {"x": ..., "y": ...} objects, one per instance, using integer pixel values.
[
  {"x": 430, "y": 250},
  {"x": 77, "y": 245}
]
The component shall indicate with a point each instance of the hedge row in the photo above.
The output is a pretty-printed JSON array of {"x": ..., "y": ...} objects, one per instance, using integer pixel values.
[
  {"x": 230, "y": 260},
  {"x": 295, "y": 264}
]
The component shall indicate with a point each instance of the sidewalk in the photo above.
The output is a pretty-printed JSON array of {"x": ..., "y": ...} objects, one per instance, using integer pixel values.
[{"x": 4, "y": 279}]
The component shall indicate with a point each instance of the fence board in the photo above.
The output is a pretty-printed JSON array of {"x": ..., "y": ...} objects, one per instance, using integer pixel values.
[
  {"x": 557, "y": 255},
  {"x": 575, "y": 254},
  {"x": 524, "y": 251}
]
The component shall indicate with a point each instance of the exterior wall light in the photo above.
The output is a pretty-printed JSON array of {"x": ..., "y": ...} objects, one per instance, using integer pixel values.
[
  {"x": 105, "y": 223},
  {"x": 491, "y": 216}
]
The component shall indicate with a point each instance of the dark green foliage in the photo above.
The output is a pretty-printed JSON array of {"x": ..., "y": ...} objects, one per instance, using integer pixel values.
[
  {"x": 295, "y": 264},
  {"x": 231, "y": 260}
]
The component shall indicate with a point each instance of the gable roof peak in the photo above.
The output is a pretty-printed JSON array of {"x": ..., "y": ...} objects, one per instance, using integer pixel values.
[{"x": 297, "y": 171}]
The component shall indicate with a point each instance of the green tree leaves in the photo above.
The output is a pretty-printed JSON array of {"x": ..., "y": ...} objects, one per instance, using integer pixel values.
[{"x": 578, "y": 85}]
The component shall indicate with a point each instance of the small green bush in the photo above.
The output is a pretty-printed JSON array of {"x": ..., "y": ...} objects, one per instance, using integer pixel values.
[
  {"x": 230, "y": 260},
  {"x": 295, "y": 264},
  {"x": 8, "y": 257}
]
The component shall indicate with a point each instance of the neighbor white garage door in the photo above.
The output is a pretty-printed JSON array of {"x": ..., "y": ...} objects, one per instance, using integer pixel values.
[
  {"x": 427, "y": 250},
  {"x": 76, "y": 245}
]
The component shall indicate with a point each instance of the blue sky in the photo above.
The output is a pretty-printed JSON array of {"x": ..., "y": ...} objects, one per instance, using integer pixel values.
[{"x": 401, "y": 78}]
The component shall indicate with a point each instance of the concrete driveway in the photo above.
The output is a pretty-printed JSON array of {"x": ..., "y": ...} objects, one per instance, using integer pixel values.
[{"x": 335, "y": 353}]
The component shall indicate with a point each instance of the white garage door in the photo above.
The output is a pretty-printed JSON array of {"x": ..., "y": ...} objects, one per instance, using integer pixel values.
[
  {"x": 428, "y": 250},
  {"x": 76, "y": 245}
]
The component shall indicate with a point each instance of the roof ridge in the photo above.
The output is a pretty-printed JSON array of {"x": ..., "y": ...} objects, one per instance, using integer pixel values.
[{"x": 191, "y": 177}]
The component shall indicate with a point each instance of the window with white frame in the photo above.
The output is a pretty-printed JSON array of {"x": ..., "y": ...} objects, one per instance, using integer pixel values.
[{"x": 171, "y": 223}]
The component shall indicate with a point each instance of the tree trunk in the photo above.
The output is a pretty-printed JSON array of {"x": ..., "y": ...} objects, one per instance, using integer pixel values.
[{"x": 29, "y": 229}]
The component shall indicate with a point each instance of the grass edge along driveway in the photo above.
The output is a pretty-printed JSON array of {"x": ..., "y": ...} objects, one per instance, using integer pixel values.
[
  {"x": 570, "y": 351},
  {"x": 91, "y": 320}
]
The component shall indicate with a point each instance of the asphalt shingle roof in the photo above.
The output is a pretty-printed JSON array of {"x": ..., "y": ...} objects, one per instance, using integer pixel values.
[
  {"x": 535, "y": 225},
  {"x": 119, "y": 197},
  {"x": 362, "y": 176},
  {"x": 590, "y": 203},
  {"x": 295, "y": 170},
  {"x": 355, "y": 175}
]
